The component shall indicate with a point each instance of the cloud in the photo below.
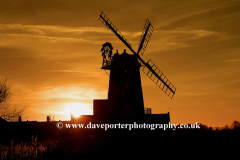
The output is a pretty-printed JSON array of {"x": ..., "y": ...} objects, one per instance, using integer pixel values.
[
  {"x": 44, "y": 29},
  {"x": 196, "y": 34},
  {"x": 232, "y": 60},
  {"x": 184, "y": 38},
  {"x": 53, "y": 34},
  {"x": 195, "y": 15},
  {"x": 167, "y": 46},
  {"x": 186, "y": 33},
  {"x": 73, "y": 91},
  {"x": 70, "y": 71}
]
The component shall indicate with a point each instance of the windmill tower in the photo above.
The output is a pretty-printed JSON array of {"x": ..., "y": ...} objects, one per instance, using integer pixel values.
[{"x": 125, "y": 96}]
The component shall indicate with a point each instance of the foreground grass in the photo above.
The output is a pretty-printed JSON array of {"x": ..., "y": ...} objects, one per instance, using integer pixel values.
[{"x": 28, "y": 150}]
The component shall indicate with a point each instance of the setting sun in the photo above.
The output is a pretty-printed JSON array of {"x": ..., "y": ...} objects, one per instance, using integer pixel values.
[{"x": 76, "y": 109}]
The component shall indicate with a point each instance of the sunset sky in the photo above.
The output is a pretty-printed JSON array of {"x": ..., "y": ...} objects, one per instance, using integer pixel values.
[{"x": 50, "y": 53}]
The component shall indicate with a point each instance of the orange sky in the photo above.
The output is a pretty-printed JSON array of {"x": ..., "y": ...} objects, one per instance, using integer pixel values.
[{"x": 50, "y": 52}]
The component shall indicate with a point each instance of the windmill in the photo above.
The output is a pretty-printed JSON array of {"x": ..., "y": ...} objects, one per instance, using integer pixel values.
[{"x": 125, "y": 92}]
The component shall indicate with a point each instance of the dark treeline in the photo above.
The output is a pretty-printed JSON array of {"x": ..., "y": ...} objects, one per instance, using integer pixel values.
[{"x": 235, "y": 125}]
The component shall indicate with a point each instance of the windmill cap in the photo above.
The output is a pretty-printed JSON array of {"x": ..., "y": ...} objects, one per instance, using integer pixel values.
[{"x": 124, "y": 58}]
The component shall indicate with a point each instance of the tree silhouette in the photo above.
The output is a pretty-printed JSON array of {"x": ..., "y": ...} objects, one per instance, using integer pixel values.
[
  {"x": 226, "y": 127},
  {"x": 235, "y": 124},
  {"x": 210, "y": 128},
  {"x": 5, "y": 93},
  {"x": 203, "y": 127},
  {"x": 7, "y": 111}
]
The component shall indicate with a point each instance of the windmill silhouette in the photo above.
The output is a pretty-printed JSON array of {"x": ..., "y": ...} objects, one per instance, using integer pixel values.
[{"x": 125, "y": 92}]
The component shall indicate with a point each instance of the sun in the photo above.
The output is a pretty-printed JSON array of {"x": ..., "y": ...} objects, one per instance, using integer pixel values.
[{"x": 76, "y": 109}]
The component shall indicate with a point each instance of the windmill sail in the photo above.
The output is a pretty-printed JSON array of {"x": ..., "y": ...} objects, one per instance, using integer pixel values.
[
  {"x": 152, "y": 71},
  {"x": 103, "y": 18},
  {"x": 146, "y": 35}
]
